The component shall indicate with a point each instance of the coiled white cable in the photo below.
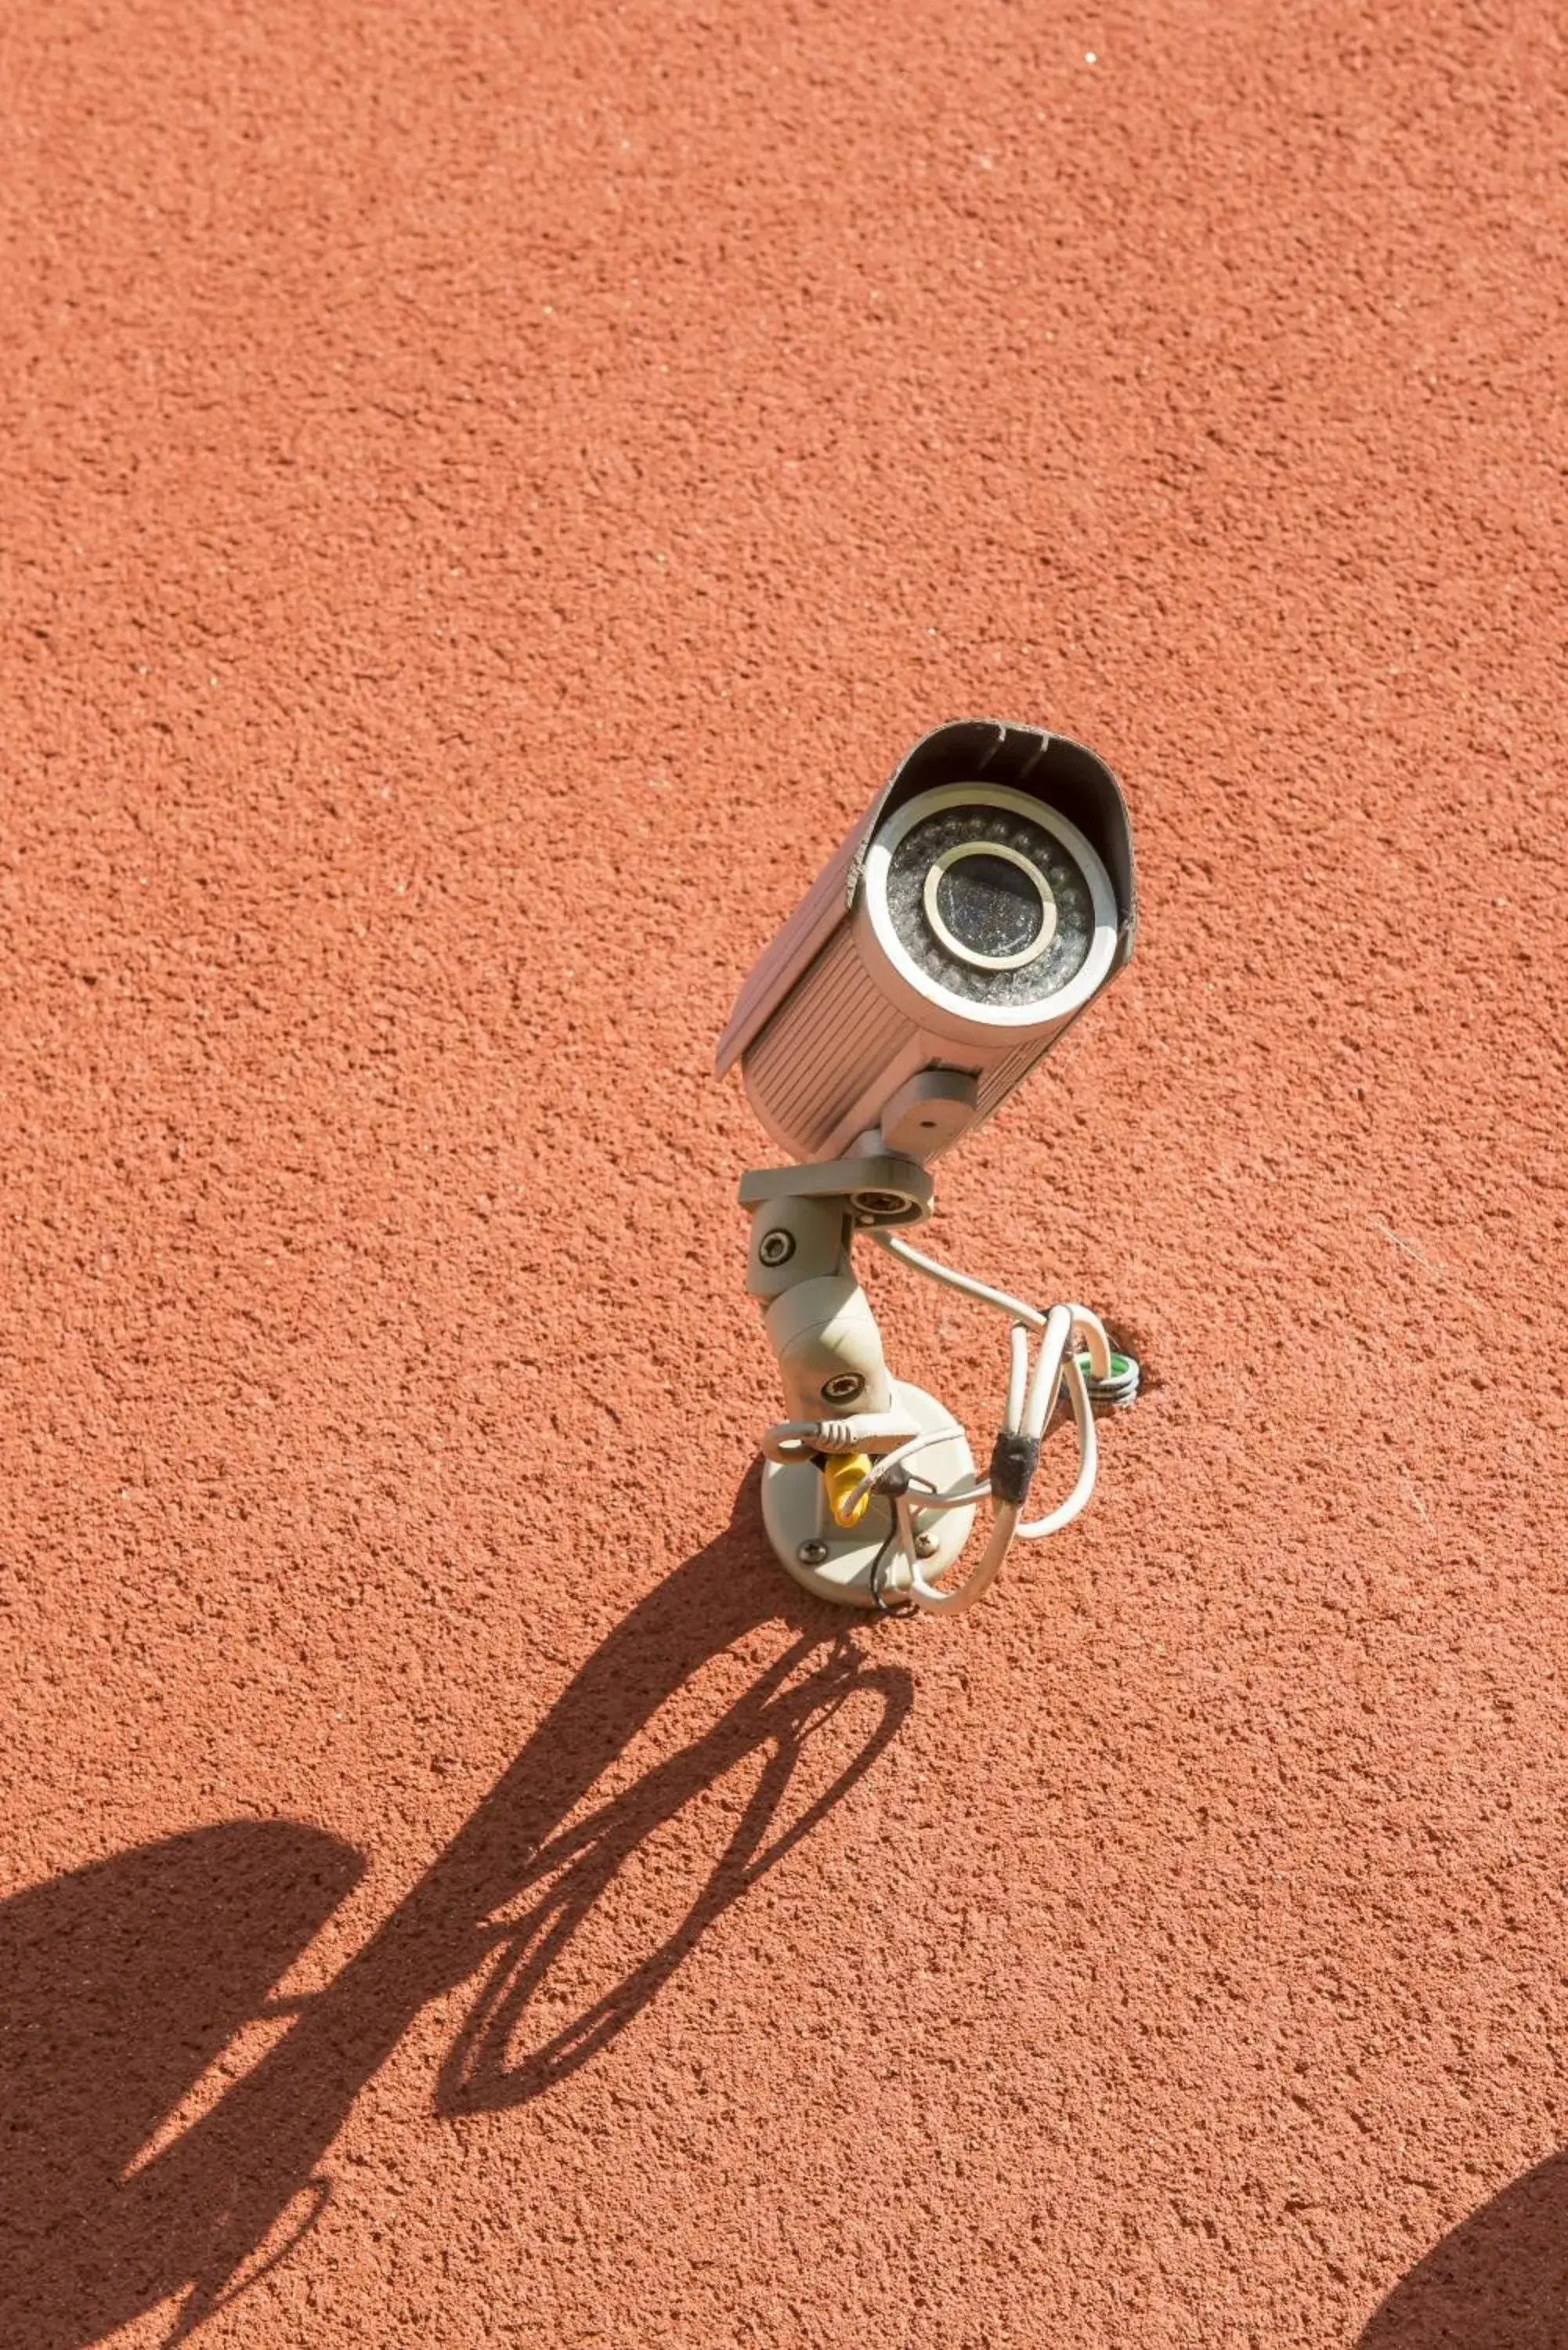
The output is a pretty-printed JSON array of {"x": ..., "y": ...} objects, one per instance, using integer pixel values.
[{"x": 1031, "y": 1403}]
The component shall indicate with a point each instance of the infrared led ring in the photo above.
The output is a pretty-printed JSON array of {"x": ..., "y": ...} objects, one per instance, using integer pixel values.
[{"x": 989, "y": 903}]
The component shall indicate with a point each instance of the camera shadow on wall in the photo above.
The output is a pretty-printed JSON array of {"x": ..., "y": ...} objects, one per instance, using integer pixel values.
[{"x": 126, "y": 1986}]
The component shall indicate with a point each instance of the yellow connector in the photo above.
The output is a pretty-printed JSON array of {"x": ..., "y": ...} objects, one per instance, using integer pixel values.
[{"x": 842, "y": 1474}]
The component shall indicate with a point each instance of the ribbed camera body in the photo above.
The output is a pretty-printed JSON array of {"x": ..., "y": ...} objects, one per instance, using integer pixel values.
[{"x": 970, "y": 915}]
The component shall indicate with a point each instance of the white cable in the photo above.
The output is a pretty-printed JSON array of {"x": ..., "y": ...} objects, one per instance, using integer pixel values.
[
  {"x": 1041, "y": 1396},
  {"x": 1094, "y": 1330},
  {"x": 1031, "y": 1402},
  {"x": 794, "y": 1440},
  {"x": 1012, "y": 1414},
  {"x": 1017, "y": 1378},
  {"x": 878, "y": 1469},
  {"x": 1047, "y": 1379},
  {"x": 1018, "y": 1373},
  {"x": 1088, "y": 1462},
  {"x": 951, "y": 1603},
  {"x": 978, "y": 1290}
]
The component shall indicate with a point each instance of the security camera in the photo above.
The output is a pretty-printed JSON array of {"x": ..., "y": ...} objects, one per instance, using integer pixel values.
[
  {"x": 981, "y": 903},
  {"x": 978, "y": 905}
]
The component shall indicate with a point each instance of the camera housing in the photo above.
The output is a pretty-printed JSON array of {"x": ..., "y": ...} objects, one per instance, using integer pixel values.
[{"x": 977, "y": 908}]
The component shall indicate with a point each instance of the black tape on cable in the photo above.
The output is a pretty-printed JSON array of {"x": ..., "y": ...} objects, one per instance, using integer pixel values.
[{"x": 1014, "y": 1461}]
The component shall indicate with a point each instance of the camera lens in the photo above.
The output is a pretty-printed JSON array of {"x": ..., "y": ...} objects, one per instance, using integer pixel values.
[{"x": 989, "y": 904}]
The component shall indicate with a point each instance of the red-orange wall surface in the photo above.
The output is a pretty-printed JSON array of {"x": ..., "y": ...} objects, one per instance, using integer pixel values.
[{"x": 487, "y": 491}]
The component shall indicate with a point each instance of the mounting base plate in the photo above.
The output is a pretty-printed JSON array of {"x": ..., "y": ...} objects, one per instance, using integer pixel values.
[{"x": 797, "y": 1516}]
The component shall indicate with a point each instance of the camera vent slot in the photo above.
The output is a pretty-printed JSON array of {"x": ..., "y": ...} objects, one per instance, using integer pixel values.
[{"x": 825, "y": 1045}]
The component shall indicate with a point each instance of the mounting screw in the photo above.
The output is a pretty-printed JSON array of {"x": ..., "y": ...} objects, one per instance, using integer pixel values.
[
  {"x": 813, "y": 1553},
  {"x": 776, "y": 1247},
  {"x": 925, "y": 1546}
]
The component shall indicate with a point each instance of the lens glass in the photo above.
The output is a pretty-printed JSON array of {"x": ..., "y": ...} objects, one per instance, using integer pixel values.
[
  {"x": 990, "y": 905},
  {"x": 991, "y": 866}
]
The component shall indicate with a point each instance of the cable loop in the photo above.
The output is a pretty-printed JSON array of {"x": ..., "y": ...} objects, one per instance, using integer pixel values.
[{"x": 1031, "y": 1405}]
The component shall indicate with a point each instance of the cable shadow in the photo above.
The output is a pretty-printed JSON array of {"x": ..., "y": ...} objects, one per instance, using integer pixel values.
[
  {"x": 1497, "y": 2281},
  {"x": 121, "y": 1984},
  {"x": 777, "y": 1716}
]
